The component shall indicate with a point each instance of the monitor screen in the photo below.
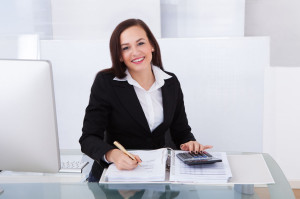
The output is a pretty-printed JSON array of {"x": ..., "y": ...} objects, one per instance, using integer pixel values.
[{"x": 28, "y": 127}]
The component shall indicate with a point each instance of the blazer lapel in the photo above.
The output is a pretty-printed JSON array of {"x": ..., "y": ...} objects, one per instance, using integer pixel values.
[
  {"x": 169, "y": 100},
  {"x": 131, "y": 103},
  {"x": 169, "y": 96}
]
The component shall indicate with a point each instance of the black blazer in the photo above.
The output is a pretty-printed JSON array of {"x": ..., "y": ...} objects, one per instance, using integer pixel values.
[{"x": 114, "y": 107}]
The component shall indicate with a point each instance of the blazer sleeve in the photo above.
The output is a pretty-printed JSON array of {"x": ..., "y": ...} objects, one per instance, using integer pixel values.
[
  {"x": 180, "y": 130},
  {"x": 96, "y": 120}
]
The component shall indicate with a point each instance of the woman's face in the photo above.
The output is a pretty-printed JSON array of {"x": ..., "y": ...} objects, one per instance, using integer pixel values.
[{"x": 136, "y": 49}]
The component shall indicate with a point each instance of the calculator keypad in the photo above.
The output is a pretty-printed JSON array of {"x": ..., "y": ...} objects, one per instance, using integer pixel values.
[{"x": 199, "y": 158}]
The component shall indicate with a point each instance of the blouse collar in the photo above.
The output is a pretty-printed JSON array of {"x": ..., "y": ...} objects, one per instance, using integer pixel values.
[{"x": 160, "y": 77}]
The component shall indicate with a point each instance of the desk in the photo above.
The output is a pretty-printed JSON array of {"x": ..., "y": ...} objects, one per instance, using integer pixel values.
[{"x": 280, "y": 190}]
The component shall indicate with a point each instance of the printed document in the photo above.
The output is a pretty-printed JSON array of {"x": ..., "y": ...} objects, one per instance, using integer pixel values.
[
  {"x": 153, "y": 168},
  {"x": 218, "y": 172}
]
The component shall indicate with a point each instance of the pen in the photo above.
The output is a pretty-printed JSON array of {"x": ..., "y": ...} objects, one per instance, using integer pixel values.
[{"x": 117, "y": 144}]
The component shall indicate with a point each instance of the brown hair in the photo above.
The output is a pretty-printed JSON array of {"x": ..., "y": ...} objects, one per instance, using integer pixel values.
[{"x": 118, "y": 68}]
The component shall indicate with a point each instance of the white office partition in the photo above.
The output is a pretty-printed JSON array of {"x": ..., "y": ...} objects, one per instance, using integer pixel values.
[
  {"x": 19, "y": 47},
  {"x": 96, "y": 19},
  {"x": 202, "y": 18},
  {"x": 75, "y": 64},
  {"x": 222, "y": 82},
  {"x": 223, "y": 86}
]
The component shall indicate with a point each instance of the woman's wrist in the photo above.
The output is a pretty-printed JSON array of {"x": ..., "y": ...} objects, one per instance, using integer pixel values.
[{"x": 110, "y": 155}]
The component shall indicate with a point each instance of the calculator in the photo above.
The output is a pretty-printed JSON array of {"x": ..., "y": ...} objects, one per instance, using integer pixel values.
[{"x": 199, "y": 158}]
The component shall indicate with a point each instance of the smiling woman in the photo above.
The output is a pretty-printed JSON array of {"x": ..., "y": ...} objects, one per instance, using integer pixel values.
[{"x": 135, "y": 102}]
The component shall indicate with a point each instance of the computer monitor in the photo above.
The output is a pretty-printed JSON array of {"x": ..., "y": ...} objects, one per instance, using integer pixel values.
[{"x": 28, "y": 127}]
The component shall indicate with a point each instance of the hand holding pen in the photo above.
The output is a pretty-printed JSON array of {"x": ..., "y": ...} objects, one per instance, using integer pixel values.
[{"x": 122, "y": 158}]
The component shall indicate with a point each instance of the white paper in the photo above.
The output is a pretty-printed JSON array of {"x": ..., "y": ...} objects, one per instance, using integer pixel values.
[
  {"x": 153, "y": 168},
  {"x": 249, "y": 169},
  {"x": 218, "y": 172}
]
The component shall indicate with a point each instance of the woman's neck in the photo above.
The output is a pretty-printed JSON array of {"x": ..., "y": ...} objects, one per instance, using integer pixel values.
[{"x": 144, "y": 78}]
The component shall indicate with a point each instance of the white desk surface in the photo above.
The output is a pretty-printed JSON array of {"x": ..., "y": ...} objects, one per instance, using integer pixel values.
[{"x": 246, "y": 169}]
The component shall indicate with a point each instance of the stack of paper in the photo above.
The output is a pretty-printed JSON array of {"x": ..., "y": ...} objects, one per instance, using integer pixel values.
[
  {"x": 218, "y": 172},
  {"x": 153, "y": 168}
]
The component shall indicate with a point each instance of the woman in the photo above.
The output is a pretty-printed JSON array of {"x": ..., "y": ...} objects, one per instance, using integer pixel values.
[{"x": 135, "y": 102}]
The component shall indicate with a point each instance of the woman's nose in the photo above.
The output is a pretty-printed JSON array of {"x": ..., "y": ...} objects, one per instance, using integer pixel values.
[{"x": 135, "y": 51}]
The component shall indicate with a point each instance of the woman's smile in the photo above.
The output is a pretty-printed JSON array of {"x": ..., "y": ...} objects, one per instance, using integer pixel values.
[{"x": 138, "y": 60}]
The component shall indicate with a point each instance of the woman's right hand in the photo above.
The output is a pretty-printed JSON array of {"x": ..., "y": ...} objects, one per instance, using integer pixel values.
[{"x": 121, "y": 160}]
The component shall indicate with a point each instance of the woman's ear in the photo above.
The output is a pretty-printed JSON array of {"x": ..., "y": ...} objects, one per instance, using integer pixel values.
[
  {"x": 121, "y": 59},
  {"x": 152, "y": 49}
]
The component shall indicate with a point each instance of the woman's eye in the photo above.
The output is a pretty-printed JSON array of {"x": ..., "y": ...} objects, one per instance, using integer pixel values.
[
  {"x": 141, "y": 43},
  {"x": 125, "y": 48}
]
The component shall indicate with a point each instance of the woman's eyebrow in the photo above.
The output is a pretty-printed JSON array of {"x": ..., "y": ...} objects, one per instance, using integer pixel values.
[
  {"x": 140, "y": 39},
  {"x": 136, "y": 41},
  {"x": 124, "y": 44}
]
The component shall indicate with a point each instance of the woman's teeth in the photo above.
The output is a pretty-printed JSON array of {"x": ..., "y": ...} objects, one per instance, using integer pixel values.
[{"x": 138, "y": 60}]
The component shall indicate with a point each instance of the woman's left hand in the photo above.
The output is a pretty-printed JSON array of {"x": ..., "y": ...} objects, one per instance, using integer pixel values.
[{"x": 194, "y": 146}]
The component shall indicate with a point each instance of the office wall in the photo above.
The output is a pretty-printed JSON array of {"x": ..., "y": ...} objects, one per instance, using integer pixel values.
[
  {"x": 96, "y": 19},
  {"x": 278, "y": 19},
  {"x": 222, "y": 80},
  {"x": 202, "y": 18},
  {"x": 26, "y": 17}
]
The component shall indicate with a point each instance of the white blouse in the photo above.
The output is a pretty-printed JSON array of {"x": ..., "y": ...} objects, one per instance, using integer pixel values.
[{"x": 150, "y": 100}]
